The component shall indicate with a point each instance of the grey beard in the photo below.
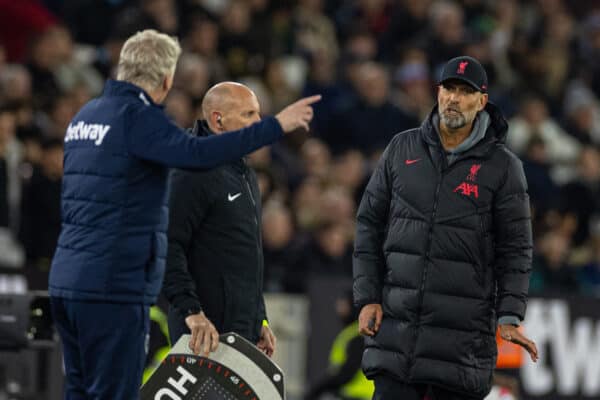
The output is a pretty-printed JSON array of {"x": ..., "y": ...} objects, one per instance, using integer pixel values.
[{"x": 453, "y": 121}]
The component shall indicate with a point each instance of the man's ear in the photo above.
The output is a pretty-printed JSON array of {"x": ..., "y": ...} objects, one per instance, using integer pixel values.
[
  {"x": 216, "y": 120},
  {"x": 438, "y": 92},
  {"x": 483, "y": 100},
  {"x": 167, "y": 83}
]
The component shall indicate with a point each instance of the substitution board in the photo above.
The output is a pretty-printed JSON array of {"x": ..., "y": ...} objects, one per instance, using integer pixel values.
[{"x": 237, "y": 370}]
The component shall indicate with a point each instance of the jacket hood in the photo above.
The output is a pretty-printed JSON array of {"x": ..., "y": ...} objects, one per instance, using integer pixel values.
[{"x": 496, "y": 132}]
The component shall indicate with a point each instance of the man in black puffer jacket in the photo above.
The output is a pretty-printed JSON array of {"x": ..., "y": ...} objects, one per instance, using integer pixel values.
[
  {"x": 443, "y": 248},
  {"x": 214, "y": 273}
]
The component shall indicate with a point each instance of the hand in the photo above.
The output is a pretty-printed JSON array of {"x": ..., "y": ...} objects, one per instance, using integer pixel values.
[
  {"x": 511, "y": 333},
  {"x": 298, "y": 114},
  {"x": 369, "y": 319},
  {"x": 266, "y": 344},
  {"x": 205, "y": 337}
]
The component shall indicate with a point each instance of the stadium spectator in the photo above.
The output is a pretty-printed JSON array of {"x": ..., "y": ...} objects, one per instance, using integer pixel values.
[{"x": 40, "y": 221}]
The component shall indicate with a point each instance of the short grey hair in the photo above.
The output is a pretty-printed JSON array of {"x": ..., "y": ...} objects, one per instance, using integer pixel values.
[{"x": 147, "y": 58}]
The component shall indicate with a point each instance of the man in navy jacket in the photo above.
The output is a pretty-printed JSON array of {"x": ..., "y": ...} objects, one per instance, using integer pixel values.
[{"x": 110, "y": 258}]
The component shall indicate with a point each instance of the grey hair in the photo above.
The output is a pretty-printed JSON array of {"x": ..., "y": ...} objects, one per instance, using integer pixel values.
[{"x": 147, "y": 58}]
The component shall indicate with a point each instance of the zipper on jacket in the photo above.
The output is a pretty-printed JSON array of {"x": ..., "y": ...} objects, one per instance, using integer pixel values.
[
  {"x": 258, "y": 251},
  {"x": 251, "y": 196},
  {"x": 484, "y": 252},
  {"x": 425, "y": 268}
]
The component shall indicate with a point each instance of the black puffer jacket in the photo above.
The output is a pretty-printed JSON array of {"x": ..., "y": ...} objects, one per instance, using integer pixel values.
[
  {"x": 215, "y": 259},
  {"x": 445, "y": 250}
]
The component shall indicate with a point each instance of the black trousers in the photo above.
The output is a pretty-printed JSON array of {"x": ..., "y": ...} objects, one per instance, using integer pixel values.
[{"x": 390, "y": 389}]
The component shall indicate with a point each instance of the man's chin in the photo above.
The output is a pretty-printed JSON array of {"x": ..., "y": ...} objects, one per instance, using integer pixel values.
[{"x": 454, "y": 123}]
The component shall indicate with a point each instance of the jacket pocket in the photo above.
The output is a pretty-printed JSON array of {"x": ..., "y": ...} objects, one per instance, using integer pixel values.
[
  {"x": 484, "y": 250},
  {"x": 478, "y": 274},
  {"x": 484, "y": 349},
  {"x": 484, "y": 236},
  {"x": 226, "y": 309},
  {"x": 151, "y": 255},
  {"x": 155, "y": 267}
]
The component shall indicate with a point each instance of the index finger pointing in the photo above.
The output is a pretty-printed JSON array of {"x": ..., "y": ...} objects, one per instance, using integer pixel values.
[{"x": 310, "y": 99}]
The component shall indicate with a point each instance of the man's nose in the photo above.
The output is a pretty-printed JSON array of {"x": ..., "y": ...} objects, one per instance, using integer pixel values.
[{"x": 454, "y": 96}]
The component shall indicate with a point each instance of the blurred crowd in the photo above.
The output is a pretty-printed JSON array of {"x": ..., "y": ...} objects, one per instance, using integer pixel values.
[{"x": 374, "y": 61}]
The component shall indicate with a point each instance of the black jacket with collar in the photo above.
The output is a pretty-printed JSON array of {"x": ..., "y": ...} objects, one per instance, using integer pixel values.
[
  {"x": 215, "y": 259},
  {"x": 444, "y": 249}
]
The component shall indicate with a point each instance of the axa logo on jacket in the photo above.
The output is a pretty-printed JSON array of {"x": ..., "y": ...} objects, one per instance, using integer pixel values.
[
  {"x": 468, "y": 189},
  {"x": 84, "y": 131}
]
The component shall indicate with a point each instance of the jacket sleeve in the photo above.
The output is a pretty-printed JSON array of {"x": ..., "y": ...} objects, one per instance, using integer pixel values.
[
  {"x": 189, "y": 203},
  {"x": 153, "y": 137},
  {"x": 262, "y": 311},
  {"x": 371, "y": 224},
  {"x": 513, "y": 241}
]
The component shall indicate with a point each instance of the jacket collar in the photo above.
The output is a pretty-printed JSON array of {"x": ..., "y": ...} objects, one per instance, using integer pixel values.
[
  {"x": 123, "y": 88},
  {"x": 496, "y": 132},
  {"x": 201, "y": 128}
]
